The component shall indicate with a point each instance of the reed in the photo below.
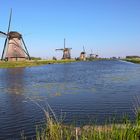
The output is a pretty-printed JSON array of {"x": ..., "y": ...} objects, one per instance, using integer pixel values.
[
  {"x": 58, "y": 131},
  {"x": 55, "y": 130}
]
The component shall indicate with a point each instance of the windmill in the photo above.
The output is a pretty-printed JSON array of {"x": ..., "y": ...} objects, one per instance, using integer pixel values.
[
  {"x": 66, "y": 51},
  {"x": 91, "y": 56},
  {"x": 83, "y": 54},
  {"x": 14, "y": 46}
]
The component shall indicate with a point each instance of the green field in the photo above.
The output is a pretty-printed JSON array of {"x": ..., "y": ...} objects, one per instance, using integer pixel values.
[
  {"x": 133, "y": 60},
  {"x": 14, "y": 64},
  {"x": 30, "y": 63}
]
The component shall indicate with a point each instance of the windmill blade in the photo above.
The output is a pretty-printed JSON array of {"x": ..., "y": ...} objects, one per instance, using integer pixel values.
[
  {"x": 69, "y": 48},
  {"x": 2, "y": 34},
  {"x": 5, "y": 44},
  {"x": 26, "y": 49},
  {"x": 9, "y": 22},
  {"x": 83, "y": 49},
  {"x": 59, "y": 49},
  {"x": 64, "y": 43}
]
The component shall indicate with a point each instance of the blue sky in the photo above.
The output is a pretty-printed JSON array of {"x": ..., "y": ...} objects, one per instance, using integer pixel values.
[{"x": 108, "y": 27}]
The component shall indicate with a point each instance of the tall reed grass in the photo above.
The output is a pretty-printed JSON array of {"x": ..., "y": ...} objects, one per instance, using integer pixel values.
[
  {"x": 55, "y": 130},
  {"x": 58, "y": 131}
]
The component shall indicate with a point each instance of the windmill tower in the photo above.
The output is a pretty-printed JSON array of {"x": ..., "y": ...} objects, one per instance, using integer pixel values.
[
  {"x": 83, "y": 54},
  {"x": 66, "y": 51},
  {"x": 92, "y": 56},
  {"x": 14, "y": 46}
]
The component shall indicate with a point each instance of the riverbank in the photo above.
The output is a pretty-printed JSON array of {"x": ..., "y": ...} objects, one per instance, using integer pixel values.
[
  {"x": 125, "y": 131},
  {"x": 133, "y": 60},
  {"x": 110, "y": 130},
  {"x": 14, "y": 64},
  {"x": 31, "y": 63}
]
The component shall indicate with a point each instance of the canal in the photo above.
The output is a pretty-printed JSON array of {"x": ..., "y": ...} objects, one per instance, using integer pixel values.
[{"x": 79, "y": 93}]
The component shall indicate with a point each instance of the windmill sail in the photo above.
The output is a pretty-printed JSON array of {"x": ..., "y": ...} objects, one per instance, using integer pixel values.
[
  {"x": 14, "y": 46},
  {"x": 66, "y": 51}
]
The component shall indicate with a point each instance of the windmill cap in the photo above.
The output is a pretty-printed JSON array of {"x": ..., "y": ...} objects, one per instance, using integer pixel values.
[
  {"x": 14, "y": 34},
  {"x": 82, "y": 52}
]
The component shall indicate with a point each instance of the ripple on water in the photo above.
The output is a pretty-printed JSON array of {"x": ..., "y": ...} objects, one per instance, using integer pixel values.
[{"x": 82, "y": 91}]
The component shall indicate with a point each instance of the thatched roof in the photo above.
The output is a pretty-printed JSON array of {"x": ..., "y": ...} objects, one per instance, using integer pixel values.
[
  {"x": 14, "y": 34},
  {"x": 83, "y": 53}
]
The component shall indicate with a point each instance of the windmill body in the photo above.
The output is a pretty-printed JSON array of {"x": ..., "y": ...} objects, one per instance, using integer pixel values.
[
  {"x": 66, "y": 52},
  {"x": 92, "y": 56},
  {"x": 14, "y": 46},
  {"x": 83, "y": 55}
]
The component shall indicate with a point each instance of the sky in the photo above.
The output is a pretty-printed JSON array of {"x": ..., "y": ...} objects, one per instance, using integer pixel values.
[{"x": 107, "y": 27}]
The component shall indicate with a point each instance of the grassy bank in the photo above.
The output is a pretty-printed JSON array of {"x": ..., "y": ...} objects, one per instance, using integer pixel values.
[
  {"x": 57, "y": 131},
  {"x": 14, "y": 64},
  {"x": 27, "y": 63},
  {"x": 133, "y": 60},
  {"x": 54, "y": 129}
]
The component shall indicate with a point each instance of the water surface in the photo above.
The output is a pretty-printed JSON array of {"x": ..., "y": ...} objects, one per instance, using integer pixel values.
[{"x": 81, "y": 92}]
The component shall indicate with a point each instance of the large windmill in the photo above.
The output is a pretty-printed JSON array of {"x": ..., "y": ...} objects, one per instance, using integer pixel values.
[
  {"x": 83, "y": 54},
  {"x": 66, "y": 51},
  {"x": 14, "y": 46}
]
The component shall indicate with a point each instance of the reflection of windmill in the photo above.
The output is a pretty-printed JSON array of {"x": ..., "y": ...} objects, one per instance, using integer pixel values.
[
  {"x": 14, "y": 46},
  {"x": 66, "y": 52},
  {"x": 83, "y": 54},
  {"x": 93, "y": 55}
]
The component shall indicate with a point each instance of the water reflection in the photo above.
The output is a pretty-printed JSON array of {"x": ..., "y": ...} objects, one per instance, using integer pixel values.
[
  {"x": 14, "y": 114},
  {"x": 14, "y": 80}
]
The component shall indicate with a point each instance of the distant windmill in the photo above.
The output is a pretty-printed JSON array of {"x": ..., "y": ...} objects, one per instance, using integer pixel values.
[
  {"x": 14, "y": 46},
  {"x": 93, "y": 55},
  {"x": 66, "y": 51},
  {"x": 83, "y": 54}
]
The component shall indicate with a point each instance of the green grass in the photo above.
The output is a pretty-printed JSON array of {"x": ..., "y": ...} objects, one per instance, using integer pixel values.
[
  {"x": 14, "y": 64},
  {"x": 58, "y": 131},
  {"x": 133, "y": 60},
  {"x": 27, "y": 63},
  {"x": 55, "y": 130}
]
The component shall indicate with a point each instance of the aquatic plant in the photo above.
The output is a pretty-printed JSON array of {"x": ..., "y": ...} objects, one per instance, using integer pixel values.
[{"x": 56, "y": 130}]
